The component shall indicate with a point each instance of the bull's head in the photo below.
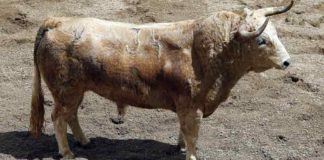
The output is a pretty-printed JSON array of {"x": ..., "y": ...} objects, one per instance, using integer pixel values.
[{"x": 265, "y": 48}]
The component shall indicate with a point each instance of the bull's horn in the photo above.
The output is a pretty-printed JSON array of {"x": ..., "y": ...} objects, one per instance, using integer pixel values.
[
  {"x": 276, "y": 10},
  {"x": 245, "y": 34}
]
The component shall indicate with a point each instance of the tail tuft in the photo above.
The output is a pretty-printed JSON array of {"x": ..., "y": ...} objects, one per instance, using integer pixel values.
[{"x": 37, "y": 107}]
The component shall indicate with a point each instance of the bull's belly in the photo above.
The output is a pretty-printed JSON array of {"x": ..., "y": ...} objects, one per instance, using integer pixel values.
[{"x": 149, "y": 99}]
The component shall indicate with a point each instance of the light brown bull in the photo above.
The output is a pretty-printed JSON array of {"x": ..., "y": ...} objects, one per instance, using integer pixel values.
[{"x": 188, "y": 67}]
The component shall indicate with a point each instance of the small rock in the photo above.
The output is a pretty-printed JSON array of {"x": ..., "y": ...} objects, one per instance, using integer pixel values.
[
  {"x": 282, "y": 138},
  {"x": 299, "y": 12},
  {"x": 321, "y": 142},
  {"x": 305, "y": 117},
  {"x": 122, "y": 131},
  {"x": 292, "y": 78},
  {"x": 266, "y": 154},
  {"x": 133, "y": 2},
  {"x": 293, "y": 158},
  {"x": 148, "y": 19}
]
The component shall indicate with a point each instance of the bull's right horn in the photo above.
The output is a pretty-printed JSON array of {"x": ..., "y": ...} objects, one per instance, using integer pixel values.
[
  {"x": 245, "y": 34},
  {"x": 275, "y": 10}
]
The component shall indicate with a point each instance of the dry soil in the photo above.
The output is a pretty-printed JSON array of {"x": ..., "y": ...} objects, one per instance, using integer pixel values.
[{"x": 273, "y": 115}]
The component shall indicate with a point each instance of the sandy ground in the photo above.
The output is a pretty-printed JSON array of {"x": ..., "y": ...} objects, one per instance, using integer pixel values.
[{"x": 273, "y": 115}]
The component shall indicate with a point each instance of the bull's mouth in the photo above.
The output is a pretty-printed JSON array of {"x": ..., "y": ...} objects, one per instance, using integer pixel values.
[
  {"x": 280, "y": 67},
  {"x": 283, "y": 67}
]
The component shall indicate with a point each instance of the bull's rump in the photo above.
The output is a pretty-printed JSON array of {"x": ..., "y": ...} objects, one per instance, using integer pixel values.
[{"x": 125, "y": 64}]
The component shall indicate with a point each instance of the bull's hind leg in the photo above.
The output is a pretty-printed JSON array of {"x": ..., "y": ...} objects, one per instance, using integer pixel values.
[
  {"x": 189, "y": 126},
  {"x": 64, "y": 113},
  {"x": 60, "y": 127},
  {"x": 76, "y": 128},
  {"x": 121, "y": 112}
]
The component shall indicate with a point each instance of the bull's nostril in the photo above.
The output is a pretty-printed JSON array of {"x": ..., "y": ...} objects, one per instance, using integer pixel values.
[{"x": 286, "y": 63}]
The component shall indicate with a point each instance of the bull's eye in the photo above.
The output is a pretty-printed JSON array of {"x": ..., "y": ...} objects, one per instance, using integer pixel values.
[{"x": 261, "y": 41}]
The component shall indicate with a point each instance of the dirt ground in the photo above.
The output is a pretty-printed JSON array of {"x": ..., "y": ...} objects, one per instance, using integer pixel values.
[{"x": 273, "y": 115}]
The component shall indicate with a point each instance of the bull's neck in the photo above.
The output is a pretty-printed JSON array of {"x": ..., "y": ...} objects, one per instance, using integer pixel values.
[
  {"x": 220, "y": 77},
  {"x": 233, "y": 64},
  {"x": 219, "y": 62},
  {"x": 225, "y": 69}
]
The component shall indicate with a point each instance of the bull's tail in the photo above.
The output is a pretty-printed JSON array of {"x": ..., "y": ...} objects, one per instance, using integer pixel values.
[{"x": 37, "y": 103}]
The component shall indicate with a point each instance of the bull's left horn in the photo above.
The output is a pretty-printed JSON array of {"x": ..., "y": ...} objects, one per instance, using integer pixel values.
[
  {"x": 245, "y": 34},
  {"x": 276, "y": 10}
]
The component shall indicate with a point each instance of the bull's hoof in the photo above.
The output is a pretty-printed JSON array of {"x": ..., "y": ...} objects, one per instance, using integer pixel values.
[
  {"x": 88, "y": 145},
  {"x": 85, "y": 142},
  {"x": 181, "y": 149},
  {"x": 117, "y": 120},
  {"x": 192, "y": 157},
  {"x": 68, "y": 155}
]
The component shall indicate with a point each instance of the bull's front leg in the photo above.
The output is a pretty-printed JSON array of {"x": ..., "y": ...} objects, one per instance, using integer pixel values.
[{"x": 189, "y": 126}]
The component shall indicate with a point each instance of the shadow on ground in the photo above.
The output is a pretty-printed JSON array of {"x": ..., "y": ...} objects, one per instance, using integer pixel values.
[{"x": 22, "y": 146}]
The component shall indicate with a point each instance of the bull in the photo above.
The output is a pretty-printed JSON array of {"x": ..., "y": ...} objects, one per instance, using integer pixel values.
[{"x": 188, "y": 67}]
